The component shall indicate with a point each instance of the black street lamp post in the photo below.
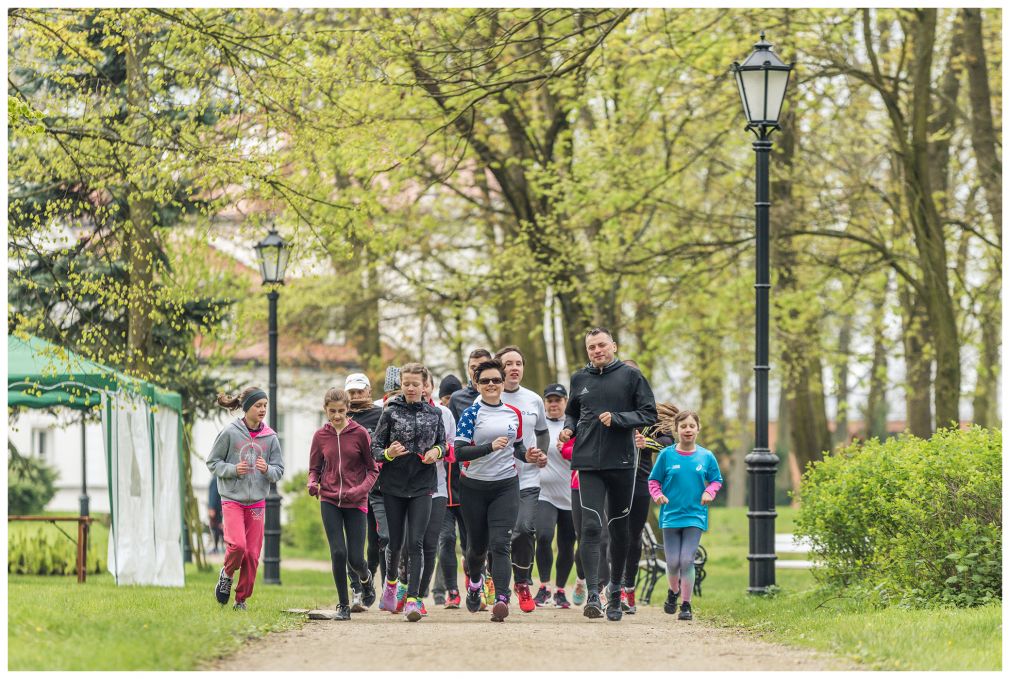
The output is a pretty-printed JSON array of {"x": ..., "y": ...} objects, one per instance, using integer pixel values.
[
  {"x": 272, "y": 253},
  {"x": 762, "y": 80}
]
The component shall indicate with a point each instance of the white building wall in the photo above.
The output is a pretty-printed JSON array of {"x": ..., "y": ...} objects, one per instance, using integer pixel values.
[{"x": 300, "y": 394}]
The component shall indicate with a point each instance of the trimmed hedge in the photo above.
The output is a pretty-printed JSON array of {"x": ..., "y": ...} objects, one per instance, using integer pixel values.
[
  {"x": 39, "y": 549},
  {"x": 909, "y": 521},
  {"x": 304, "y": 528}
]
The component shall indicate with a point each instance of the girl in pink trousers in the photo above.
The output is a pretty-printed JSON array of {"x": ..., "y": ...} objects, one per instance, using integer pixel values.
[{"x": 245, "y": 459}]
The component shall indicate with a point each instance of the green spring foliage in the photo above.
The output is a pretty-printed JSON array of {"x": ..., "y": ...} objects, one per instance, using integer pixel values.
[{"x": 910, "y": 522}]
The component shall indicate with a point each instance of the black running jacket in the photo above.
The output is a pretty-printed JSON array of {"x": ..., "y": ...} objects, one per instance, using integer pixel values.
[{"x": 620, "y": 390}]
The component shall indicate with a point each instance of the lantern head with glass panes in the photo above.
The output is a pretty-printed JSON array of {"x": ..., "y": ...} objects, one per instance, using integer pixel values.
[
  {"x": 762, "y": 80},
  {"x": 273, "y": 253}
]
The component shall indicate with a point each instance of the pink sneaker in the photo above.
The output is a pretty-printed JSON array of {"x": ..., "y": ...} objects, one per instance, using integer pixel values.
[
  {"x": 411, "y": 611},
  {"x": 388, "y": 600}
]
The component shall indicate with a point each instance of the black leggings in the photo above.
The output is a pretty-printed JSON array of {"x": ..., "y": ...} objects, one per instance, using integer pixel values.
[
  {"x": 447, "y": 548},
  {"x": 490, "y": 509},
  {"x": 636, "y": 524},
  {"x": 524, "y": 535},
  {"x": 407, "y": 515},
  {"x": 603, "y": 572},
  {"x": 378, "y": 533},
  {"x": 430, "y": 546},
  {"x": 549, "y": 516},
  {"x": 338, "y": 523},
  {"x": 610, "y": 490}
]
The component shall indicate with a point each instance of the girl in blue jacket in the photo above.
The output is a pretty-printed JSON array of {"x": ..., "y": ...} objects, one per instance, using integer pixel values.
[{"x": 683, "y": 482}]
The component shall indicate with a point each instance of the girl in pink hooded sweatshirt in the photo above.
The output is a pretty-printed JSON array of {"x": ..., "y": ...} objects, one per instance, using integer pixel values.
[{"x": 341, "y": 472}]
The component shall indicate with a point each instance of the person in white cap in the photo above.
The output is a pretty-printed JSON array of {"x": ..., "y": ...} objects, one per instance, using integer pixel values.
[{"x": 364, "y": 412}]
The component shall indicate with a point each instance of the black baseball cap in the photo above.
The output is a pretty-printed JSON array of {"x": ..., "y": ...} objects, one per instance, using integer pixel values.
[{"x": 555, "y": 390}]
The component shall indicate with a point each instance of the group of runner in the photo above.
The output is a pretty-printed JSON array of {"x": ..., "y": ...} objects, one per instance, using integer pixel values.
[{"x": 503, "y": 468}]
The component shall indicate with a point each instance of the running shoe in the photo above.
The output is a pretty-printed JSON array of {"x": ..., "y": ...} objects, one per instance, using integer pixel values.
[
  {"x": 542, "y": 597},
  {"x": 593, "y": 607},
  {"x": 222, "y": 590},
  {"x": 560, "y": 601},
  {"x": 401, "y": 596},
  {"x": 411, "y": 611},
  {"x": 388, "y": 600},
  {"x": 368, "y": 591},
  {"x": 420, "y": 605},
  {"x": 614, "y": 612},
  {"x": 500, "y": 610},
  {"x": 685, "y": 612},
  {"x": 452, "y": 599},
  {"x": 240, "y": 606},
  {"x": 356, "y": 604},
  {"x": 628, "y": 600},
  {"x": 526, "y": 603},
  {"x": 438, "y": 598},
  {"x": 579, "y": 595},
  {"x": 343, "y": 612},
  {"x": 489, "y": 598},
  {"x": 670, "y": 605},
  {"x": 474, "y": 595}
]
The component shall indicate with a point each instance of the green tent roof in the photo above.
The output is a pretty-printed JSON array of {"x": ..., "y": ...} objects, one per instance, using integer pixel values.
[{"x": 43, "y": 375}]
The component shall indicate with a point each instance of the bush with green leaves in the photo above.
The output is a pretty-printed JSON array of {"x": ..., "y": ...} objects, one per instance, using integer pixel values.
[
  {"x": 909, "y": 521},
  {"x": 30, "y": 485},
  {"x": 304, "y": 529},
  {"x": 38, "y": 549}
]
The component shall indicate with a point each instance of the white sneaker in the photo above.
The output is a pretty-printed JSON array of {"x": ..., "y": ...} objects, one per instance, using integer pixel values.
[{"x": 357, "y": 606}]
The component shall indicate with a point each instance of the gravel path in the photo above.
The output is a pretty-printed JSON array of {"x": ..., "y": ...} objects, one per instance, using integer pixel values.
[{"x": 547, "y": 639}]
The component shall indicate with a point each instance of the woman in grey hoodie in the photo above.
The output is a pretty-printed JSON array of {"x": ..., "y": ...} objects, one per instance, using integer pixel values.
[{"x": 245, "y": 459}]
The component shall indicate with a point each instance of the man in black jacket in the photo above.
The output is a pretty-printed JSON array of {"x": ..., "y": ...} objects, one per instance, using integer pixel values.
[{"x": 609, "y": 400}]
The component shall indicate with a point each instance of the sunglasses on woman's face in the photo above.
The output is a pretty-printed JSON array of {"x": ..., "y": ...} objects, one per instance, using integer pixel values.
[{"x": 490, "y": 380}]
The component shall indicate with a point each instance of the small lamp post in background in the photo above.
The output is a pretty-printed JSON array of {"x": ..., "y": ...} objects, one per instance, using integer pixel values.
[
  {"x": 272, "y": 253},
  {"x": 762, "y": 80}
]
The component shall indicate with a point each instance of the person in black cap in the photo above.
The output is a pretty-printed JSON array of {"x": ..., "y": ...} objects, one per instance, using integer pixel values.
[
  {"x": 448, "y": 385},
  {"x": 554, "y": 506}
]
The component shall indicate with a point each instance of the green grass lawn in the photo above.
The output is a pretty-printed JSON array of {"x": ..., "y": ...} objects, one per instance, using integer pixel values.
[
  {"x": 56, "y": 624},
  {"x": 889, "y": 639}
]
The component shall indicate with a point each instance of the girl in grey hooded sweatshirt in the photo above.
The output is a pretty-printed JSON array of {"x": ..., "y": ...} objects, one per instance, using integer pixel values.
[{"x": 245, "y": 459}]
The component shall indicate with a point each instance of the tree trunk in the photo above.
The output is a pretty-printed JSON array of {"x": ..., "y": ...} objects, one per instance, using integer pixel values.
[
  {"x": 918, "y": 365},
  {"x": 140, "y": 244},
  {"x": 841, "y": 433},
  {"x": 875, "y": 414},
  {"x": 984, "y": 138},
  {"x": 986, "y": 414},
  {"x": 361, "y": 311},
  {"x": 736, "y": 474},
  {"x": 800, "y": 353},
  {"x": 929, "y": 237}
]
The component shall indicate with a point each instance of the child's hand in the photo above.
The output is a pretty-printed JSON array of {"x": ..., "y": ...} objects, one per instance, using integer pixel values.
[
  {"x": 261, "y": 465},
  {"x": 661, "y": 500},
  {"x": 396, "y": 449},
  {"x": 242, "y": 468},
  {"x": 639, "y": 440},
  {"x": 706, "y": 498},
  {"x": 430, "y": 457}
]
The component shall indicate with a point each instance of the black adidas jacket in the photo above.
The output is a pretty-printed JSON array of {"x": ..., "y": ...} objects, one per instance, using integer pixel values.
[{"x": 620, "y": 390}]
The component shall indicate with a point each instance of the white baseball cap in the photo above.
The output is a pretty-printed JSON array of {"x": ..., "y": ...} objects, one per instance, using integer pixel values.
[{"x": 357, "y": 381}]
